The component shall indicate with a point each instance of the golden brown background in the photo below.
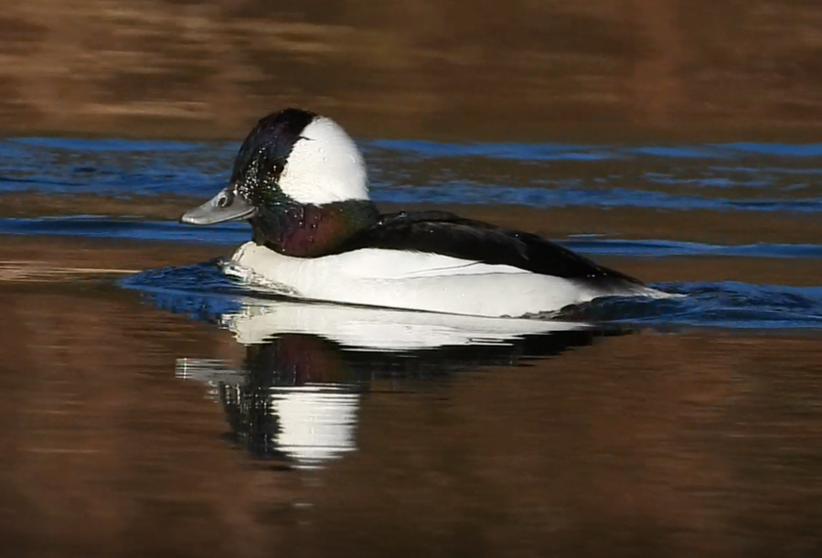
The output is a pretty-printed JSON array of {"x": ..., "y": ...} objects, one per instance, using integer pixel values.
[{"x": 692, "y": 68}]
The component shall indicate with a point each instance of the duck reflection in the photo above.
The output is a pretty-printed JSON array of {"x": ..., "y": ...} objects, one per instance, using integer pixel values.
[
  {"x": 294, "y": 399},
  {"x": 284, "y": 404}
]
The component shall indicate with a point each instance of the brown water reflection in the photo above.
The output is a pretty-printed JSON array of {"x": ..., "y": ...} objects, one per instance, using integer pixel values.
[{"x": 652, "y": 444}]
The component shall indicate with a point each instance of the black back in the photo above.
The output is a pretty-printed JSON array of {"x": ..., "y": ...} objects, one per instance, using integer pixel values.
[{"x": 444, "y": 233}]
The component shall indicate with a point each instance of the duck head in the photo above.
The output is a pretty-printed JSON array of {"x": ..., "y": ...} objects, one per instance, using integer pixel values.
[{"x": 300, "y": 181}]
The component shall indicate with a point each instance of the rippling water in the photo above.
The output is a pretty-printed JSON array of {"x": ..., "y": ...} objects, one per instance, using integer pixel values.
[
  {"x": 178, "y": 410},
  {"x": 725, "y": 179},
  {"x": 742, "y": 177},
  {"x": 724, "y": 304}
]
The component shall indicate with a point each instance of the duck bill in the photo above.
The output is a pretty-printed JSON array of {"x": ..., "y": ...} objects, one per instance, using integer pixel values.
[{"x": 225, "y": 206}]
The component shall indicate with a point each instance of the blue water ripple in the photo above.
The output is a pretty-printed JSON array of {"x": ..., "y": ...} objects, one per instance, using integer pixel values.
[
  {"x": 681, "y": 174},
  {"x": 234, "y": 234},
  {"x": 202, "y": 291}
]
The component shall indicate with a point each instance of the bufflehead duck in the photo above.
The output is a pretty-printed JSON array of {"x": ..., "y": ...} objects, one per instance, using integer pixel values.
[{"x": 300, "y": 180}]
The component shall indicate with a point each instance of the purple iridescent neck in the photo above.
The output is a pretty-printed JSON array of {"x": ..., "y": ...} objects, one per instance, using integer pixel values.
[{"x": 310, "y": 231}]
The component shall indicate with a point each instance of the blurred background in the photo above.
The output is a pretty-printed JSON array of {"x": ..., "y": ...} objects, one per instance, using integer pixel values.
[{"x": 170, "y": 68}]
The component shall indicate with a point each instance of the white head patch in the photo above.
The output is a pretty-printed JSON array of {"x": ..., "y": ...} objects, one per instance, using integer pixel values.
[{"x": 324, "y": 166}]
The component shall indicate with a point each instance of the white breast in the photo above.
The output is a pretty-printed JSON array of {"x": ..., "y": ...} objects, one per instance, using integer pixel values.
[{"x": 409, "y": 280}]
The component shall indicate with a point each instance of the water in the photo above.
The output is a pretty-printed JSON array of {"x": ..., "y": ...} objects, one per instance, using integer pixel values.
[
  {"x": 156, "y": 406},
  {"x": 742, "y": 177}
]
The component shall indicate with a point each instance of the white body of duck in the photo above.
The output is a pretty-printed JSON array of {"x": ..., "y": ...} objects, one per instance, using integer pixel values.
[
  {"x": 415, "y": 281},
  {"x": 301, "y": 182}
]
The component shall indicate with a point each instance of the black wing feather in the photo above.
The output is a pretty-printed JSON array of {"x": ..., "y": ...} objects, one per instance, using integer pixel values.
[{"x": 444, "y": 233}]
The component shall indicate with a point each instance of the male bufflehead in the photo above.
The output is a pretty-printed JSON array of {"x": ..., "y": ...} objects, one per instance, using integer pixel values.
[{"x": 301, "y": 182}]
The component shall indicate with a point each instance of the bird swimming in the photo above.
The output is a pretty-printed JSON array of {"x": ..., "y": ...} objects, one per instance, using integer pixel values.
[{"x": 300, "y": 181}]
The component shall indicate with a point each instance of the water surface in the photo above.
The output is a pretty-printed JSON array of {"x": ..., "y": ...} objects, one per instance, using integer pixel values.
[{"x": 153, "y": 406}]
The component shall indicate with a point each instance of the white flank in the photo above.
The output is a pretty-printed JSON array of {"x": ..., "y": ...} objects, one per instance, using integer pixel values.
[
  {"x": 415, "y": 281},
  {"x": 325, "y": 166}
]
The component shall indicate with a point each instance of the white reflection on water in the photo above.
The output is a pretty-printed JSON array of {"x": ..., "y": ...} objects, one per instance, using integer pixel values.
[
  {"x": 297, "y": 394},
  {"x": 315, "y": 422}
]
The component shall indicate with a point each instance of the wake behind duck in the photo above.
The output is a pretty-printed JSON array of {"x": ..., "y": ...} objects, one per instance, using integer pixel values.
[{"x": 300, "y": 181}]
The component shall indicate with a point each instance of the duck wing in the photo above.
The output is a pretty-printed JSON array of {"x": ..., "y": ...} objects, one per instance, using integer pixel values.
[{"x": 440, "y": 232}]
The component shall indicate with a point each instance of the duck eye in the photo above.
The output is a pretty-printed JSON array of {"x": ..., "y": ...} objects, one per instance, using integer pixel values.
[{"x": 224, "y": 200}]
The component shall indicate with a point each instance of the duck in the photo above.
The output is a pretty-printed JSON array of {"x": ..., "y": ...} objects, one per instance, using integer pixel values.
[{"x": 301, "y": 183}]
